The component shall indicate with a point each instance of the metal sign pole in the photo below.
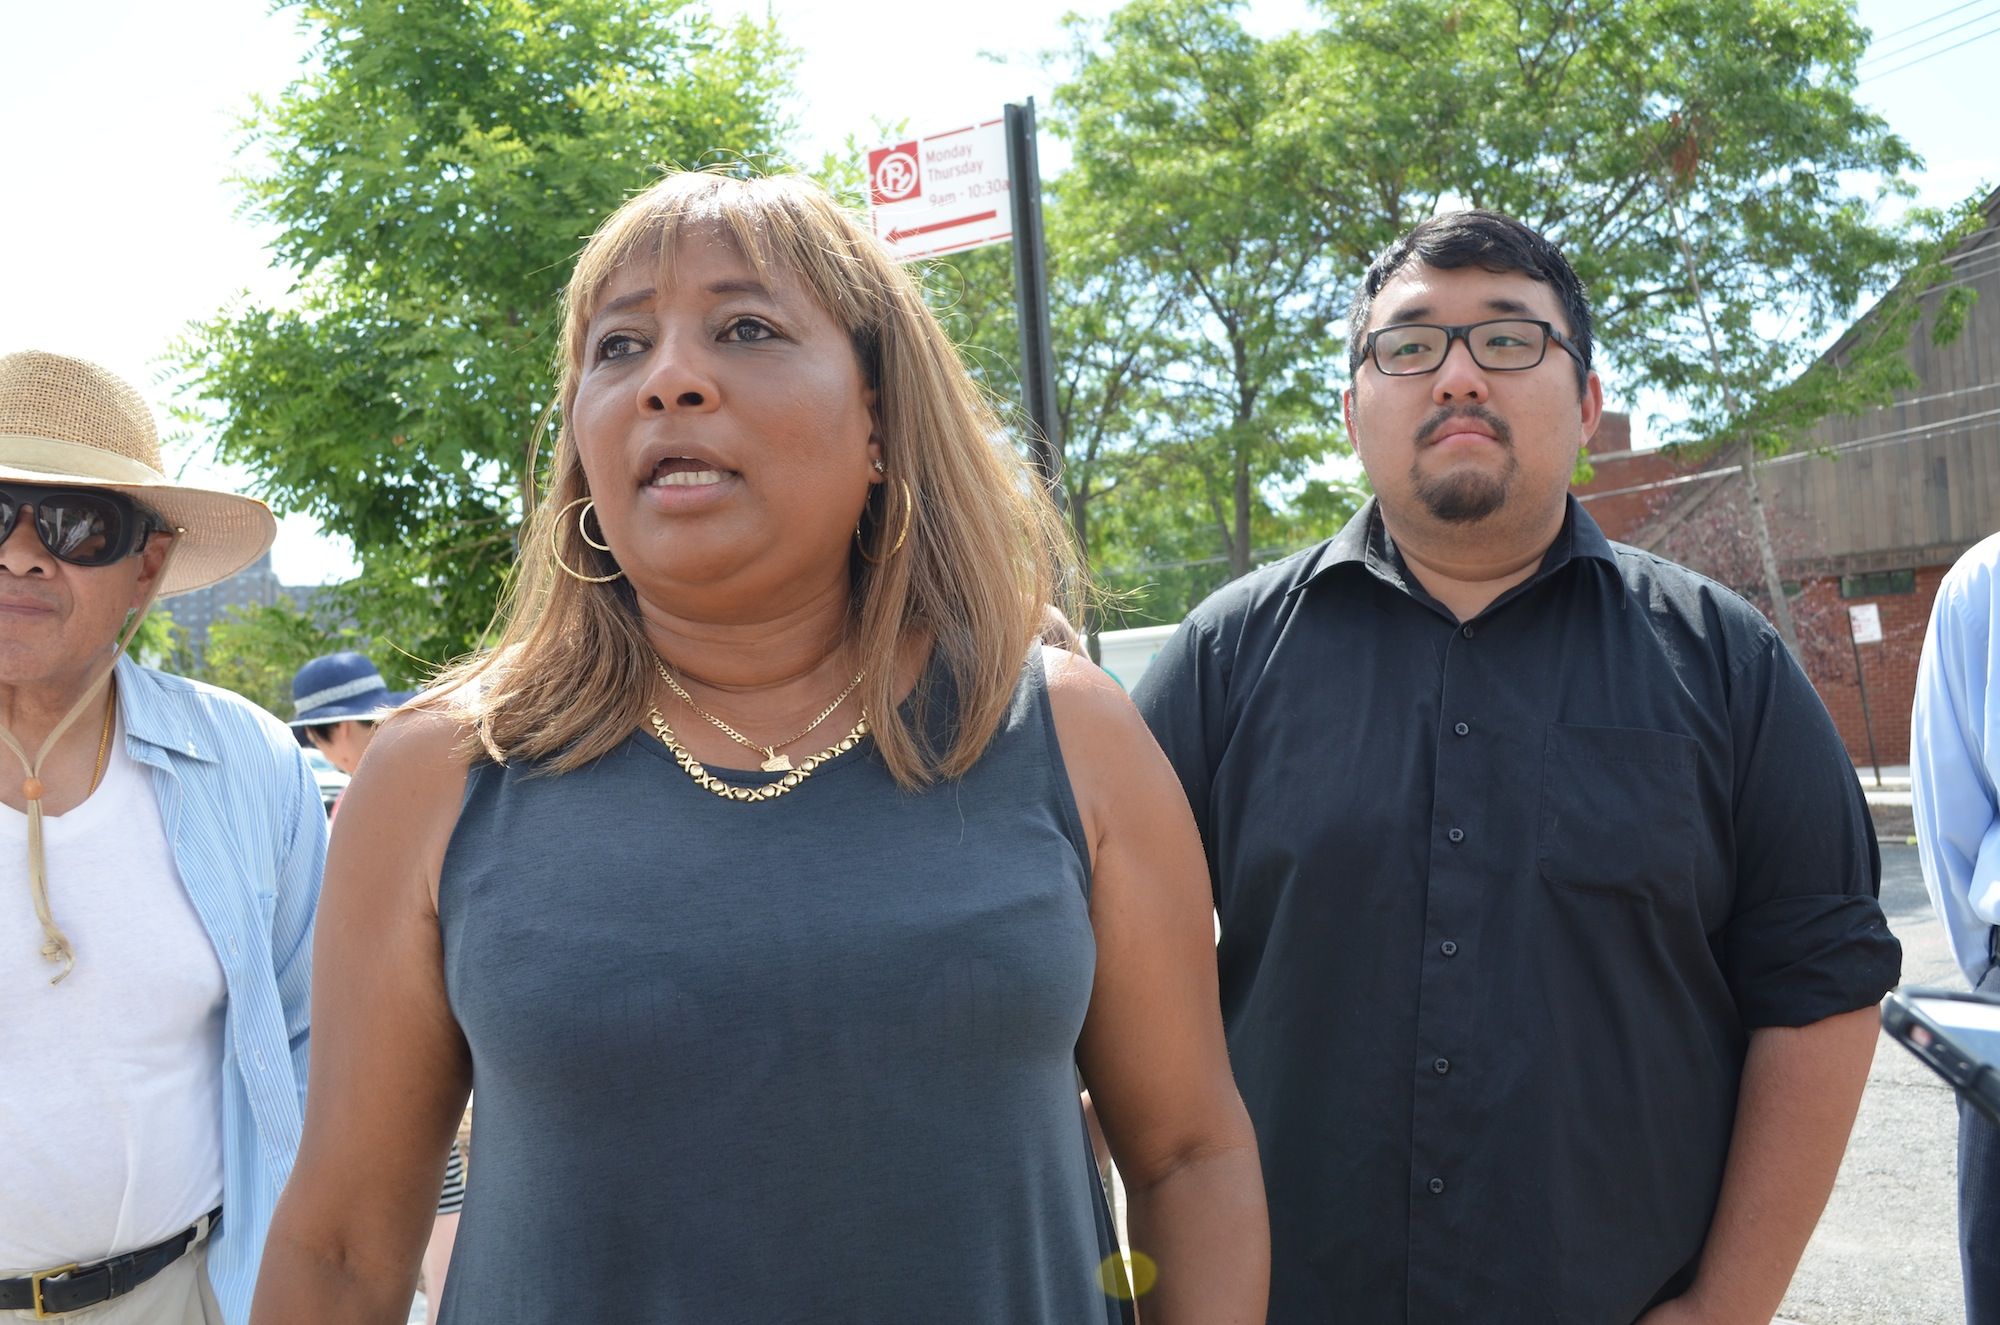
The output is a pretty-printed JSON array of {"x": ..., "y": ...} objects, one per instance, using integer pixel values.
[
  {"x": 1031, "y": 298},
  {"x": 1867, "y": 720}
]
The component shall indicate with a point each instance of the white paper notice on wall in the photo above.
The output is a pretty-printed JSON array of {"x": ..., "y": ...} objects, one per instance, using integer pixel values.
[{"x": 1865, "y": 620}]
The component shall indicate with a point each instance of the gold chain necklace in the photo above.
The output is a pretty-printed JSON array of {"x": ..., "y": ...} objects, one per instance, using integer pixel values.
[
  {"x": 32, "y": 788},
  {"x": 773, "y": 761},
  {"x": 104, "y": 740},
  {"x": 707, "y": 781}
]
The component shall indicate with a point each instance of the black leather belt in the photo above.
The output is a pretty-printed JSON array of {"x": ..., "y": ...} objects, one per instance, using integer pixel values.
[{"x": 66, "y": 1288}]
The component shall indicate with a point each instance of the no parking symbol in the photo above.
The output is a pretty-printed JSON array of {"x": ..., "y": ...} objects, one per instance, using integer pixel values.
[{"x": 893, "y": 174}]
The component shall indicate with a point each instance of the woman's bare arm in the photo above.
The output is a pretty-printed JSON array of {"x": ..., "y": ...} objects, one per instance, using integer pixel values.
[
  {"x": 1152, "y": 1051},
  {"x": 389, "y": 1069}
]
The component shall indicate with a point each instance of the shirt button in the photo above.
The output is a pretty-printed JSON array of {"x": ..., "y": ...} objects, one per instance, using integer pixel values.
[
  {"x": 1441, "y": 1066},
  {"x": 1448, "y": 948},
  {"x": 1467, "y": 632},
  {"x": 1462, "y": 729},
  {"x": 1437, "y": 1186},
  {"x": 1456, "y": 835}
]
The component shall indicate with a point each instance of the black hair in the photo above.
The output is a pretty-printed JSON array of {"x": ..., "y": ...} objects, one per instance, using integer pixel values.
[
  {"x": 324, "y": 730},
  {"x": 1475, "y": 238}
]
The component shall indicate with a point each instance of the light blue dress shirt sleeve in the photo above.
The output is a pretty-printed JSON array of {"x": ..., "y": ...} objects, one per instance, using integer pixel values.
[
  {"x": 1954, "y": 756},
  {"x": 297, "y": 906},
  {"x": 248, "y": 834}
]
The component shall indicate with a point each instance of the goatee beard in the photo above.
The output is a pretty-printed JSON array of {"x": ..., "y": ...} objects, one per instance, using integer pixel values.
[{"x": 1464, "y": 496}]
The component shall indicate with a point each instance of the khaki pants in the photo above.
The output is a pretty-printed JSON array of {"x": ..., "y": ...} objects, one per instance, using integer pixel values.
[{"x": 177, "y": 1295}]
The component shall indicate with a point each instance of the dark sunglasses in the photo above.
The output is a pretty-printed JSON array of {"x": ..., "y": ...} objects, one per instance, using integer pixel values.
[{"x": 82, "y": 526}]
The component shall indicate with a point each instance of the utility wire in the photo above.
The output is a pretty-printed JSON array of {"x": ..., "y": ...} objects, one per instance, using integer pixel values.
[
  {"x": 1940, "y": 395},
  {"x": 1972, "y": 253},
  {"x": 1969, "y": 270},
  {"x": 1969, "y": 250},
  {"x": 1923, "y": 22},
  {"x": 1970, "y": 273},
  {"x": 1921, "y": 41},
  {"x": 1933, "y": 55},
  {"x": 1899, "y": 437},
  {"x": 1951, "y": 285}
]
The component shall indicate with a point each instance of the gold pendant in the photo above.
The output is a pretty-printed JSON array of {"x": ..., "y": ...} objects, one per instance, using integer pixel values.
[{"x": 777, "y": 763}]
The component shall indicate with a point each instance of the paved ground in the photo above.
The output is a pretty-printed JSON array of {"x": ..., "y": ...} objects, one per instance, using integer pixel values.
[{"x": 1886, "y": 1252}]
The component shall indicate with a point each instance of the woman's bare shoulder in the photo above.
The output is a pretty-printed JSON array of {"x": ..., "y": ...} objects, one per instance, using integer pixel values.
[
  {"x": 421, "y": 743},
  {"x": 1115, "y": 766},
  {"x": 398, "y": 813},
  {"x": 1083, "y": 694}
]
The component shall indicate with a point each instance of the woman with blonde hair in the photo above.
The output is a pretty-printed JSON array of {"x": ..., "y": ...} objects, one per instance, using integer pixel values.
[{"x": 769, "y": 881}]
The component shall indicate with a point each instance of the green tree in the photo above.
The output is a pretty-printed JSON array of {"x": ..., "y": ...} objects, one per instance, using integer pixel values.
[
  {"x": 1256, "y": 179},
  {"x": 1867, "y": 366},
  {"x": 1586, "y": 119},
  {"x": 162, "y": 643},
  {"x": 1705, "y": 165},
  {"x": 432, "y": 173},
  {"x": 1172, "y": 112},
  {"x": 1106, "y": 315},
  {"x": 1161, "y": 561},
  {"x": 256, "y": 651}
]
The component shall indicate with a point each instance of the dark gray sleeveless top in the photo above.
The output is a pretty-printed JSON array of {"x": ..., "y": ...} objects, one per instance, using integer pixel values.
[{"x": 809, "y": 1060}]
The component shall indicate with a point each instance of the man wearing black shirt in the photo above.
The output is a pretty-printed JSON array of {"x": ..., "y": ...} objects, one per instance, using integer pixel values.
[{"x": 1550, "y": 946}]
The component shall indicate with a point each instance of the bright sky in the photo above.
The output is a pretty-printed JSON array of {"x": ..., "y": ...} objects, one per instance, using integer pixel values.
[{"x": 120, "y": 227}]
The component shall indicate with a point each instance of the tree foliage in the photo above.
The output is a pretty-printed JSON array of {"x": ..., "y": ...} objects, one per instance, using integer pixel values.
[
  {"x": 1254, "y": 179},
  {"x": 433, "y": 172},
  {"x": 256, "y": 651},
  {"x": 1172, "y": 111},
  {"x": 437, "y": 164},
  {"x": 1609, "y": 125},
  {"x": 161, "y": 642}
]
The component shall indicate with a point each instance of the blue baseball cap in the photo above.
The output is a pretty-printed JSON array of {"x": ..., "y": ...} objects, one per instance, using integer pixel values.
[{"x": 338, "y": 687}]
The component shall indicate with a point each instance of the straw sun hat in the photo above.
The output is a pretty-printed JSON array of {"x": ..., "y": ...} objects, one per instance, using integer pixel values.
[{"x": 67, "y": 421}]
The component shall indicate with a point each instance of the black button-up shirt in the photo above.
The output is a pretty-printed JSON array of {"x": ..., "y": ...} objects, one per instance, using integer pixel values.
[{"x": 1501, "y": 901}]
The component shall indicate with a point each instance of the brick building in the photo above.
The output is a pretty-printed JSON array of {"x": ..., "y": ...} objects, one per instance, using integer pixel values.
[{"x": 1873, "y": 508}]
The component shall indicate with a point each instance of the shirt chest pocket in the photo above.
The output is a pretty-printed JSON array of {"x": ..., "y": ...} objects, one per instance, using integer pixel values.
[{"x": 1618, "y": 811}]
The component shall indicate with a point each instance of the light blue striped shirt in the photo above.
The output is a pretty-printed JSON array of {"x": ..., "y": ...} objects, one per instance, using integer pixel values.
[
  {"x": 1955, "y": 756},
  {"x": 248, "y": 833}
]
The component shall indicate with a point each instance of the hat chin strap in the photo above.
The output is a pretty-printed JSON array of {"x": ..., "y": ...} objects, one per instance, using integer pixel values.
[{"x": 56, "y": 946}]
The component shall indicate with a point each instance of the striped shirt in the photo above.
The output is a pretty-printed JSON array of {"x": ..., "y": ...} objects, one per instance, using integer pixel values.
[
  {"x": 248, "y": 833},
  {"x": 1955, "y": 757}
]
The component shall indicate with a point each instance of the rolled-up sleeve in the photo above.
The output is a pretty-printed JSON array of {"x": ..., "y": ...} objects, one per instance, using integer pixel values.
[{"x": 1805, "y": 938}]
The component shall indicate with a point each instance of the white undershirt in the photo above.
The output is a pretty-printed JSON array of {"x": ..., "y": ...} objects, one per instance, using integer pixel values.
[{"x": 110, "y": 1082}]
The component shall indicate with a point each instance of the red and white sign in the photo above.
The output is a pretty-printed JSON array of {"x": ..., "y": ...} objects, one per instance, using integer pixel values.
[
  {"x": 1866, "y": 623},
  {"x": 942, "y": 192}
]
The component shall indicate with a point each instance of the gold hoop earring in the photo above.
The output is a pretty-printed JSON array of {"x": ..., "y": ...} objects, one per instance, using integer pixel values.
[
  {"x": 584, "y": 514},
  {"x": 555, "y": 543},
  {"x": 909, "y": 516}
]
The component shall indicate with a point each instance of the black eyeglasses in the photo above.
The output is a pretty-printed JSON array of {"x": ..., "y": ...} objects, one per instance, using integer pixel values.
[
  {"x": 1503, "y": 345},
  {"x": 82, "y": 526}
]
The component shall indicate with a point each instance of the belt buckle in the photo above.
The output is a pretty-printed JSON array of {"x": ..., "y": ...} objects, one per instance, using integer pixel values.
[{"x": 35, "y": 1288}]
